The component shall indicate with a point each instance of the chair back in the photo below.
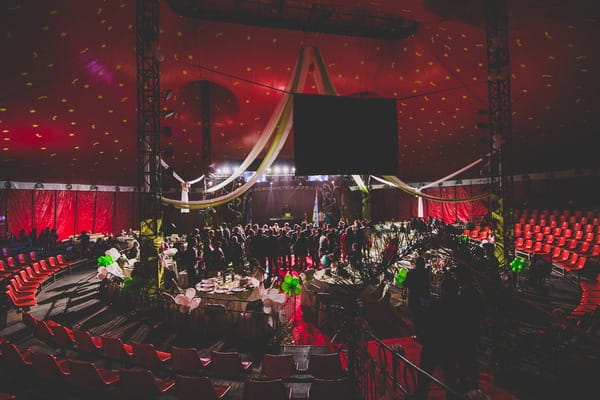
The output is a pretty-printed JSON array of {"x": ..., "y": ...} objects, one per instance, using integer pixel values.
[
  {"x": 21, "y": 258},
  {"x": 145, "y": 354},
  {"x": 265, "y": 390},
  {"x": 186, "y": 360},
  {"x": 10, "y": 261},
  {"x": 46, "y": 367},
  {"x": 52, "y": 261},
  {"x": 62, "y": 337},
  {"x": 43, "y": 331},
  {"x": 33, "y": 256},
  {"x": 197, "y": 387},
  {"x": 227, "y": 364},
  {"x": 12, "y": 357},
  {"x": 138, "y": 384},
  {"x": 325, "y": 389},
  {"x": 113, "y": 348},
  {"x": 85, "y": 343},
  {"x": 85, "y": 375},
  {"x": 325, "y": 366},
  {"x": 29, "y": 320},
  {"x": 278, "y": 366}
]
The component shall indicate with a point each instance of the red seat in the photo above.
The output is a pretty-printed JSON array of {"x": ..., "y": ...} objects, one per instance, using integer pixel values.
[
  {"x": 115, "y": 349},
  {"x": 48, "y": 368},
  {"x": 567, "y": 233},
  {"x": 596, "y": 221},
  {"x": 562, "y": 241},
  {"x": 474, "y": 234},
  {"x": 546, "y": 249},
  {"x": 62, "y": 262},
  {"x": 10, "y": 263},
  {"x": 556, "y": 253},
  {"x": 553, "y": 224},
  {"x": 589, "y": 228},
  {"x": 145, "y": 354},
  {"x": 23, "y": 285},
  {"x": 564, "y": 256},
  {"x": 537, "y": 228},
  {"x": 4, "y": 271},
  {"x": 572, "y": 261},
  {"x": 228, "y": 364},
  {"x": 18, "y": 301},
  {"x": 48, "y": 268},
  {"x": 595, "y": 251},
  {"x": 585, "y": 247},
  {"x": 63, "y": 337},
  {"x": 32, "y": 276},
  {"x": 325, "y": 366},
  {"x": 550, "y": 239},
  {"x": 572, "y": 245},
  {"x": 547, "y": 230},
  {"x": 520, "y": 243},
  {"x": 141, "y": 384},
  {"x": 86, "y": 375},
  {"x": 15, "y": 357},
  {"x": 199, "y": 387},
  {"x": 557, "y": 231},
  {"x": 321, "y": 389},
  {"x": 518, "y": 233},
  {"x": 537, "y": 247},
  {"x": 279, "y": 366},
  {"x": 483, "y": 235},
  {"x": 543, "y": 222},
  {"x": 86, "y": 343},
  {"x": 578, "y": 235},
  {"x": 187, "y": 360},
  {"x": 33, "y": 256},
  {"x": 38, "y": 270},
  {"x": 539, "y": 237},
  {"x": 528, "y": 245},
  {"x": 589, "y": 237},
  {"x": 578, "y": 266},
  {"x": 576, "y": 226},
  {"x": 528, "y": 234},
  {"x": 266, "y": 390}
]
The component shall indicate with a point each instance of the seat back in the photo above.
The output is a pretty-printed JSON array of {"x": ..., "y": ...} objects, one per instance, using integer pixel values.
[
  {"x": 43, "y": 331},
  {"x": 197, "y": 387},
  {"x": 278, "y": 366},
  {"x": 44, "y": 265},
  {"x": 185, "y": 360},
  {"x": 322, "y": 389},
  {"x": 33, "y": 256},
  {"x": 113, "y": 348},
  {"x": 46, "y": 367},
  {"x": 145, "y": 354},
  {"x": 228, "y": 364},
  {"x": 138, "y": 384},
  {"x": 265, "y": 390},
  {"x": 581, "y": 262},
  {"x": 325, "y": 366},
  {"x": 29, "y": 320},
  {"x": 3, "y": 267},
  {"x": 22, "y": 259},
  {"x": 85, "y": 375},
  {"x": 10, "y": 261},
  {"x": 84, "y": 342},
  {"x": 62, "y": 337},
  {"x": 12, "y": 357}
]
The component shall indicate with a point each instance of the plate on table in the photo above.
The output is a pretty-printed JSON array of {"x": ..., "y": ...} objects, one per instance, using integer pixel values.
[
  {"x": 205, "y": 289},
  {"x": 238, "y": 289},
  {"x": 220, "y": 291}
]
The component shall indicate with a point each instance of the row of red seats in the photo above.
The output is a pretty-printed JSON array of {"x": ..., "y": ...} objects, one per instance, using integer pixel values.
[
  {"x": 576, "y": 213},
  {"x": 569, "y": 260},
  {"x": 25, "y": 281},
  {"x": 142, "y": 384},
  {"x": 547, "y": 229},
  {"x": 554, "y": 220}
]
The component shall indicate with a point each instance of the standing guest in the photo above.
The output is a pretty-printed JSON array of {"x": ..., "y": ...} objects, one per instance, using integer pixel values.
[
  {"x": 236, "y": 254},
  {"x": 189, "y": 259},
  {"x": 418, "y": 284}
]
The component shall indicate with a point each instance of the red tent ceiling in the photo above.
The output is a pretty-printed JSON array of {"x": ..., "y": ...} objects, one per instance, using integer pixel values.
[{"x": 67, "y": 98}]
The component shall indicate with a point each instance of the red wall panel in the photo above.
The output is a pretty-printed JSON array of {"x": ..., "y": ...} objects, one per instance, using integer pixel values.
[
  {"x": 123, "y": 211},
  {"x": 104, "y": 212},
  {"x": 19, "y": 211},
  {"x": 43, "y": 209},
  {"x": 85, "y": 211},
  {"x": 65, "y": 214}
]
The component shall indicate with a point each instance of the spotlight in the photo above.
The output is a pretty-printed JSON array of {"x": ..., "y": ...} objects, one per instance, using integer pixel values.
[
  {"x": 277, "y": 170},
  {"x": 38, "y": 186},
  {"x": 168, "y": 94},
  {"x": 286, "y": 170},
  {"x": 93, "y": 187},
  {"x": 69, "y": 186},
  {"x": 7, "y": 185},
  {"x": 168, "y": 114}
]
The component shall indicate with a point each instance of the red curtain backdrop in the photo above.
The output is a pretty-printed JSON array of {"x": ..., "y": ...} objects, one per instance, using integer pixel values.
[
  {"x": 65, "y": 213},
  {"x": 85, "y": 211},
  {"x": 19, "y": 211},
  {"x": 126, "y": 211},
  {"x": 43, "y": 209},
  {"x": 104, "y": 212}
]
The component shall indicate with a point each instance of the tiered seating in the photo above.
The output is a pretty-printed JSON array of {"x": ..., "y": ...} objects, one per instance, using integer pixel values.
[{"x": 570, "y": 238}]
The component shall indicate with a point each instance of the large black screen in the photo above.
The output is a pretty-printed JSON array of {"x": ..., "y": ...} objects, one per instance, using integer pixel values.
[{"x": 336, "y": 135}]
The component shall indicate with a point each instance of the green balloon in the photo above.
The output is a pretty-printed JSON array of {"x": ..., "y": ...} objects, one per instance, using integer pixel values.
[
  {"x": 285, "y": 286},
  {"x": 295, "y": 281},
  {"x": 287, "y": 279},
  {"x": 297, "y": 290},
  {"x": 105, "y": 261}
]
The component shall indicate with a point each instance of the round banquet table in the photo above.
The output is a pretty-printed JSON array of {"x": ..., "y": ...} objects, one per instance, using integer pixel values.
[
  {"x": 322, "y": 282},
  {"x": 229, "y": 293}
]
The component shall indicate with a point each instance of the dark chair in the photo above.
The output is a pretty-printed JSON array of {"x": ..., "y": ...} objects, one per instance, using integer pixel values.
[
  {"x": 15, "y": 358},
  {"x": 323, "y": 389},
  {"x": 280, "y": 366},
  {"x": 85, "y": 375},
  {"x": 266, "y": 390},
  {"x": 228, "y": 364},
  {"x": 63, "y": 337},
  {"x": 199, "y": 387},
  {"x": 187, "y": 360},
  {"x": 141, "y": 384},
  {"x": 86, "y": 343},
  {"x": 325, "y": 366},
  {"x": 115, "y": 349},
  {"x": 145, "y": 354},
  {"x": 48, "y": 368}
]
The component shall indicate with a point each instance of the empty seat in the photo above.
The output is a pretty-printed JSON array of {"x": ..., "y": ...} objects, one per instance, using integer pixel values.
[
  {"x": 33, "y": 256},
  {"x": 325, "y": 366},
  {"x": 539, "y": 237},
  {"x": 85, "y": 375},
  {"x": 585, "y": 247},
  {"x": 86, "y": 343},
  {"x": 48, "y": 368},
  {"x": 595, "y": 251},
  {"x": 562, "y": 241},
  {"x": 187, "y": 360},
  {"x": 15, "y": 358},
  {"x": 589, "y": 228},
  {"x": 546, "y": 249},
  {"x": 520, "y": 243},
  {"x": 142, "y": 384},
  {"x": 279, "y": 366},
  {"x": 115, "y": 349},
  {"x": 547, "y": 230},
  {"x": 578, "y": 265},
  {"x": 572, "y": 245},
  {"x": 528, "y": 245},
  {"x": 63, "y": 337},
  {"x": 568, "y": 233},
  {"x": 22, "y": 259},
  {"x": 589, "y": 237},
  {"x": 145, "y": 354},
  {"x": 266, "y": 390},
  {"x": 537, "y": 247},
  {"x": 325, "y": 389},
  {"x": 199, "y": 387},
  {"x": 228, "y": 364}
]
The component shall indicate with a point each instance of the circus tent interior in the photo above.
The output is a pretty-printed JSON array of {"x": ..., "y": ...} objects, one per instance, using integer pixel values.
[{"x": 329, "y": 259}]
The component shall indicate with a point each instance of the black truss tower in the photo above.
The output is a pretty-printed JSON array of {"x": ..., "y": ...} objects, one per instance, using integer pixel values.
[
  {"x": 500, "y": 118},
  {"x": 148, "y": 125}
]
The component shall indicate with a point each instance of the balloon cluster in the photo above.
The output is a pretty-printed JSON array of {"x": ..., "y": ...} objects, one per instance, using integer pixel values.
[
  {"x": 107, "y": 264},
  {"x": 400, "y": 277},
  {"x": 519, "y": 264},
  {"x": 291, "y": 285},
  {"x": 272, "y": 300},
  {"x": 187, "y": 301},
  {"x": 464, "y": 239}
]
